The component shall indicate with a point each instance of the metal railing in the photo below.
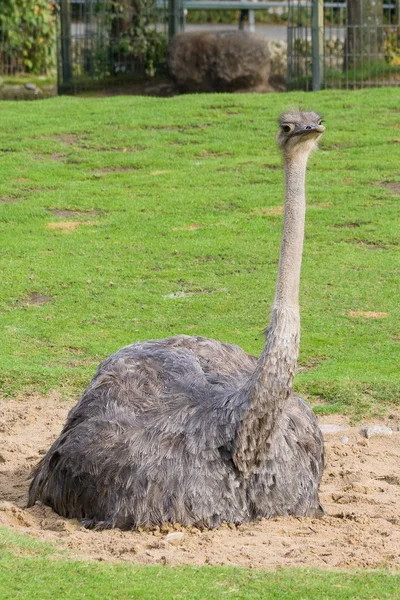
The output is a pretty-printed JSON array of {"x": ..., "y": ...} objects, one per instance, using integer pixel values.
[
  {"x": 101, "y": 46},
  {"x": 351, "y": 45},
  {"x": 327, "y": 47}
]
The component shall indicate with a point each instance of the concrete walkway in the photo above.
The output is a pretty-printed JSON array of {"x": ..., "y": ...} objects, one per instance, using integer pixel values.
[{"x": 276, "y": 33}]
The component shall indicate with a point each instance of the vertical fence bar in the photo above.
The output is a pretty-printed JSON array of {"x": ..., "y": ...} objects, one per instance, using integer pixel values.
[
  {"x": 289, "y": 52},
  {"x": 65, "y": 45},
  {"x": 397, "y": 12},
  {"x": 175, "y": 20},
  {"x": 317, "y": 37}
]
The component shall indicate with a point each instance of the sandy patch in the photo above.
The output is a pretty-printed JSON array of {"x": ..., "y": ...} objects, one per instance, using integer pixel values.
[
  {"x": 191, "y": 227},
  {"x": 270, "y": 210},
  {"x": 367, "y": 314},
  {"x": 68, "y": 139},
  {"x": 360, "y": 493},
  {"x": 8, "y": 200},
  {"x": 392, "y": 186},
  {"x": 67, "y": 213},
  {"x": 160, "y": 172},
  {"x": 36, "y": 299},
  {"x": 68, "y": 226}
]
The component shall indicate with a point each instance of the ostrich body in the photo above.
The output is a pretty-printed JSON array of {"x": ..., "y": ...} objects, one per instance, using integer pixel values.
[{"x": 191, "y": 430}]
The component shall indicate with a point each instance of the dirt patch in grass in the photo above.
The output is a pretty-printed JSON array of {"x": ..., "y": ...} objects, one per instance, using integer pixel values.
[
  {"x": 367, "y": 314},
  {"x": 347, "y": 225},
  {"x": 393, "y": 186},
  {"x": 311, "y": 364},
  {"x": 56, "y": 157},
  {"x": 370, "y": 245},
  {"x": 66, "y": 213},
  {"x": 68, "y": 226},
  {"x": 68, "y": 139},
  {"x": 360, "y": 492},
  {"x": 128, "y": 150},
  {"x": 191, "y": 227},
  {"x": 112, "y": 170},
  {"x": 8, "y": 200},
  {"x": 213, "y": 154},
  {"x": 37, "y": 299},
  {"x": 272, "y": 167},
  {"x": 271, "y": 210}
]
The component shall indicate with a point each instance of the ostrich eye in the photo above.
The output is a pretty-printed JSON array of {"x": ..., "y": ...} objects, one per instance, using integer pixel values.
[{"x": 286, "y": 128}]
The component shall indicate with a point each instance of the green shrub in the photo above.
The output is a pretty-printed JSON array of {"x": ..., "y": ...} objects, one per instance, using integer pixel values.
[
  {"x": 134, "y": 38},
  {"x": 27, "y": 36}
]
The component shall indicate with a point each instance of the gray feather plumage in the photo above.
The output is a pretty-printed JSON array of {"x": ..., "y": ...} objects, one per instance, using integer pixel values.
[{"x": 153, "y": 436}]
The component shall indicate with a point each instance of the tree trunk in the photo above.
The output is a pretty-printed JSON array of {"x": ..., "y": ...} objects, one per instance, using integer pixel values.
[
  {"x": 364, "y": 36},
  {"x": 123, "y": 16}
]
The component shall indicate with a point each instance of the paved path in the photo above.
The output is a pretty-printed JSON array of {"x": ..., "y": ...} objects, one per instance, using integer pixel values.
[{"x": 278, "y": 33}]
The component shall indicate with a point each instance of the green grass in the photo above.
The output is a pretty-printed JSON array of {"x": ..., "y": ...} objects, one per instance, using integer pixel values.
[
  {"x": 30, "y": 570},
  {"x": 23, "y": 78},
  {"x": 178, "y": 196}
]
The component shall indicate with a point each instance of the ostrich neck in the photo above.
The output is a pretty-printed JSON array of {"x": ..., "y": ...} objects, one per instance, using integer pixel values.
[
  {"x": 288, "y": 284},
  {"x": 271, "y": 383}
]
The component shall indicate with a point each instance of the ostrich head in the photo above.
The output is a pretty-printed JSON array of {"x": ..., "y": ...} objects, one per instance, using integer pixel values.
[{"x": 299, "y": 131}]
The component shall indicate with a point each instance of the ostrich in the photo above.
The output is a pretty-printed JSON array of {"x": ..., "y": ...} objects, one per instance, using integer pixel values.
[{"x": 193, "y": 431}]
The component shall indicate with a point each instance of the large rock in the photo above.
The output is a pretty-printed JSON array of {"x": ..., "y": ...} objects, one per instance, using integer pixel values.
[
  {"x": 29, "y": 91},
  {"x": 223, "y": 61}
]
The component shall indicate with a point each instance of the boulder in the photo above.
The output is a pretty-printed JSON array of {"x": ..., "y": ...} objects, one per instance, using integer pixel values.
[
  {"x": 224, "y": 61},
  {"x": 19, "y": 92}
]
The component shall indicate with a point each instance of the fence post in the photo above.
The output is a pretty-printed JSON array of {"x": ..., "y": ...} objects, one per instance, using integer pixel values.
[
  {"x": 65, "y": 45},
  {"x": 175, "y": 17},
  {"x": 289, "y": 55},
  {"x": 317, "y": 40}
]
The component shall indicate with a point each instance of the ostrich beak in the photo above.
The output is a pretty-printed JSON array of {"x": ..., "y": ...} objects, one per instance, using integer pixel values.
[
  {"x": 309, "y": 129},
  {"x": 312, "y": 129}
]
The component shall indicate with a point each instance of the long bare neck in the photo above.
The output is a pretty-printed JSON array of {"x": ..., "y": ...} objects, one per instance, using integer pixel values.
[
  {"x": 288, "y": 284},
  {"x": 271, "y": 384}
]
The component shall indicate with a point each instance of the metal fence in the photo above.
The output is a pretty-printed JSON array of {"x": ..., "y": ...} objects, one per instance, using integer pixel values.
[
  {"x": 102, "y": 41},
  {"x": 11, "y": 56},
  {"x": 351, "y": 45}
]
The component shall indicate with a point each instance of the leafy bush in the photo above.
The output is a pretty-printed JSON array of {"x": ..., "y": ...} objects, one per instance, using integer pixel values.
[
  {"x": 27, "y": 36},
  {"x": 392, "y": 49},
  {"x": 134, "y": 40}
]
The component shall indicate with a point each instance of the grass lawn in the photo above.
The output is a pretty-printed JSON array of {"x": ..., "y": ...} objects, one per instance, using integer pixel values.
[
  {"x": 30, "y": 570},
  {"x": 22, "y": 79},
  {"x": 129, "y": 218}
]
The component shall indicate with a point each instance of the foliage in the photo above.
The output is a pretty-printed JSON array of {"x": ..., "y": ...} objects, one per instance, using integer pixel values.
[
  {"x": 134, "y": 36},
  {"x": 27, "y": 34},
  {"x": 175, "y": 228},
  {"x": 392, "y": 48}
]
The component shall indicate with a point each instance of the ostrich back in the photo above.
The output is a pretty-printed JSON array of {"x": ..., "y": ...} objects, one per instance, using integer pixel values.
[{"x": 152, "y": 440}]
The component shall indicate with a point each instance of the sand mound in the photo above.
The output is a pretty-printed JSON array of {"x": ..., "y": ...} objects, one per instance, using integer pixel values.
[{"x": 360, "y": 492}]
